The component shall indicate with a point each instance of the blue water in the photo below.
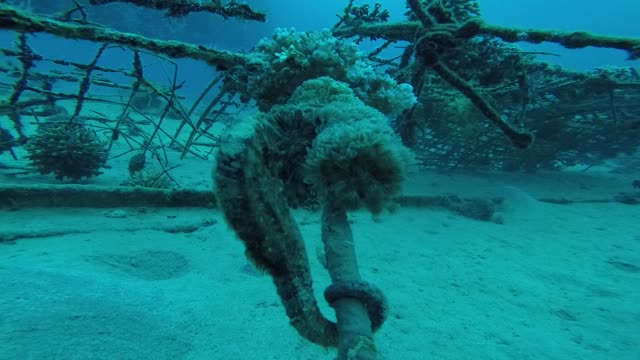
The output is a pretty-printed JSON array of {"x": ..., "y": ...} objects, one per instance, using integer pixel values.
[{"x": 125, "y": 264}]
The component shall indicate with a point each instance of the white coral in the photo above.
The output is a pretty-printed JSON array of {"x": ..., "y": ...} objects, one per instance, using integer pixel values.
[{"x": 289, "y": 58}]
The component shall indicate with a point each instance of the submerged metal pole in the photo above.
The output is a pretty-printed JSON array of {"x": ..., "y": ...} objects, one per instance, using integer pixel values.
[{"x": 360, "y": 308}]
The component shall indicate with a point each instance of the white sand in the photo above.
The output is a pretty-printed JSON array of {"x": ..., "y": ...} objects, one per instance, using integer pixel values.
[{"x": 552, "y": 282}]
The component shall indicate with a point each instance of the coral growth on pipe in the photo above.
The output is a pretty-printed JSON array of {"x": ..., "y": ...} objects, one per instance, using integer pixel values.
[{"x": 323, "y": 143}]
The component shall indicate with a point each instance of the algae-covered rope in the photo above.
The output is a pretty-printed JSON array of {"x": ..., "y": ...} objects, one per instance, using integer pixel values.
[{"x": 353, "y": 160}]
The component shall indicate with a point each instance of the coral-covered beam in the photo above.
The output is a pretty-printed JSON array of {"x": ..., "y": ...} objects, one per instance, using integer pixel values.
[
  {"x": 570, "y": 40},
  {"x": 183, "y": 7},
  {"x": 14, "y": 19},
  {"x": 405, "y": 31}
]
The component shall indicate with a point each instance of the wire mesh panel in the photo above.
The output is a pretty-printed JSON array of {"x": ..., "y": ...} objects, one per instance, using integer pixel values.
[{"x": 76, "y": 119}]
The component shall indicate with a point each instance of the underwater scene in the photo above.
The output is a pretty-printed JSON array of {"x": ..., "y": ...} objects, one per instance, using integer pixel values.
[{"x": 340, "y": 179}]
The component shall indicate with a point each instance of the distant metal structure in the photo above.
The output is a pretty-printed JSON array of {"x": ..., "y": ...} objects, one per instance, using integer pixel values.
[
  {"x": 465, "y": 72},
  {"x": 576, "y": 118}
]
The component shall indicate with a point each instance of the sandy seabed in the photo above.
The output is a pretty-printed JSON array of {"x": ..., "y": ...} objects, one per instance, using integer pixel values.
[{"x": 549, "y": 282}]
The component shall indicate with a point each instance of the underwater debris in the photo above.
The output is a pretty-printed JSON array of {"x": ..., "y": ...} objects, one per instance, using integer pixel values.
[
  {"x": 351, "y": 157},
  {"x": 406, "y": 31},
  {"x": 25, "y": 22},
  {"x": 436, "y": 30},
  {"x": 82, "y": 196},
  {"x": 594, "y": 124},
  {"x": 149, "y": 178},
  {"x": 472, "y": 208},
  {"x": 7, "y": 142},
  {"x": 632, "y": 198},
  {"x": 183, "y": 7}
]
